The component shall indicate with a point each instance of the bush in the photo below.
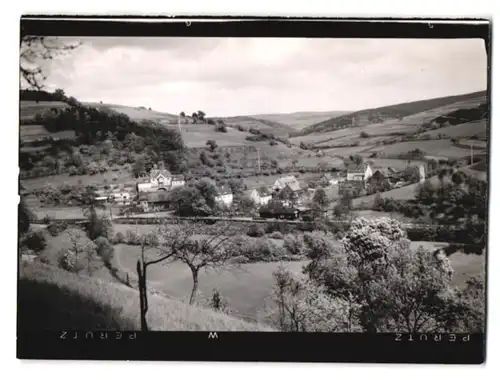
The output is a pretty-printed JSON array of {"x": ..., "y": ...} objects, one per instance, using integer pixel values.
[
  {"x": 276, "y": 235},
  {"x": 119, "y": 238},
  {"x": 132, "y": 238},
  {"x": 105, "y": 250},
  {"x": 55, "y": 228},
  {"x": 35, "y": 241},
  {"x": 255, "y": 231}
]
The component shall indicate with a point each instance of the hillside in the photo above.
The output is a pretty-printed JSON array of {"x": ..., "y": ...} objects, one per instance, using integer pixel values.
[
  {"x": 265, "y": 126},
  {"x": 137, "y": 113},
  {"x": 300, "y": 120},
  {"x": 51, "y": 298},
  {"x": 28, "y": 109},
  {"x": 382, "y": 114}
]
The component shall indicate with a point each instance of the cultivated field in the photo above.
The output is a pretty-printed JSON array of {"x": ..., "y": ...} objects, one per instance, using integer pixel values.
[
  {"x": 403, "y": 193},
  {"x": 460, "y": 130},
  {"x": 247, "y": 122},
  {"x": 441, "y": 148},
  {"x": 196, "y": 136},
  {"x": 123, "y": 177},
  {"x": 248, "y": 288},
  {"x": 28, "y": 109},
  {"x": 35, "y": 132},
  {"x": 299, "y": 120}
]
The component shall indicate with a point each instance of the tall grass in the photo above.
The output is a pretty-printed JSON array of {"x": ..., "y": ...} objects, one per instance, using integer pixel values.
[{"x": 51, "y": 298}]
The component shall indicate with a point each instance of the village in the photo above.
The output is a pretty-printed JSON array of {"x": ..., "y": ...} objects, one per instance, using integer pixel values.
[{"x": 151, "y": 193}]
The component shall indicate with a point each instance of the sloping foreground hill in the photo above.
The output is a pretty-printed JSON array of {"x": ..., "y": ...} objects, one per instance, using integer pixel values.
[
  {"x": 53, "y": 299},
  {"x": 377, "y": 115},
  {"x": 300, "y": 120}
]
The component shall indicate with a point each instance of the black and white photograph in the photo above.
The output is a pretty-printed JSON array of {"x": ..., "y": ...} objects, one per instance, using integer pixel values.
[{"x": 257, "y": 184}]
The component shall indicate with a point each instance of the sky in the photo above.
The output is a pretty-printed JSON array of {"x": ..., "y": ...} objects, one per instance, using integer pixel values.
[{"x": 245, "y": 76}]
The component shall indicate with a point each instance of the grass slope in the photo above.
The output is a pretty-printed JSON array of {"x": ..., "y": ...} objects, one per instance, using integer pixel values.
[
  {"x": 268, "y": 126},
  {"x": 388, "y": 112},
  {"x": 53, "y": 299},
  {"x": 28, "y": 108},
  {"x": 300, "y": 120},
  {"x": 136, "y": 113}
]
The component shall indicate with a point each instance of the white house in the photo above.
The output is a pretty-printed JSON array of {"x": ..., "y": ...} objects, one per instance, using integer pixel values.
[
  {"x": 260, "y": 196},
  {"x": 289, "y": 181},
  {"x": 160, "y": 177},
  {"x": 359, "y": 172},
  {"x": 177, "y": 181},
  {"x": 224, "y": 196},
  {"x": 421, "y": 172}
]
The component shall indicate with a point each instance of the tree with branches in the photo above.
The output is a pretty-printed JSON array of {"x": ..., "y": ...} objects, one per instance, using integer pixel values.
[
  {"x": 34, "y": 51},
  {"x": 183, "y": 242}
]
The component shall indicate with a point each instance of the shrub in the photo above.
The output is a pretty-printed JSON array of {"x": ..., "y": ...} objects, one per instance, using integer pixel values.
[
  {"x": 35, "y": 241},
  {"x": 55, "y": 228},
  {"x": 255, "y": 231},
  {"x": 276, "y": 235},
  {"x": 105, "y": 250},
  {"x": 119, "y": 238},
  {"x": 132, "y": 238}
]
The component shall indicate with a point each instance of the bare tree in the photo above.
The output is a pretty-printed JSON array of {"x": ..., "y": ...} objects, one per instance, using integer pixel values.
[
  {"x": 34, "y": 51},
  {"x": 197, "y": 249}
]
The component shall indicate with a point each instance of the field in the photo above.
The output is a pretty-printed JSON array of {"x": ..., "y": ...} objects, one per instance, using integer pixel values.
[
  {"x": 248, "y": 289},
  {"x": 78, "y": 302},
  {"x": 35, "y": 132},
  {"x": 299, "y": 120},
  {"x": 196, "y": 136},
  {"x": 266, "y": 126},
  {"x": 405, "y": 115},
  {"x": 29, "y": 109},
  {"x": 136, "y": 113},
  {"x": 394, "y": 163},
  {"x": 403, "y": 193},
  {"x": 460, "y": 130},
  {"x": 441, "y": 148},
  {"x": 123, "y": 177}
]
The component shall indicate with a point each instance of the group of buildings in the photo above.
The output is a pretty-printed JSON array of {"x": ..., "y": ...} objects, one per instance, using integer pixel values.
[{"x": 151, "y": 193}]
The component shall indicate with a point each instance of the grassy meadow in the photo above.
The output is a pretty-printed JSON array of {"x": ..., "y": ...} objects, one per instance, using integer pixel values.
[
  {"x": 61, "y": 300},
  {"x": 248, "y": 288}
]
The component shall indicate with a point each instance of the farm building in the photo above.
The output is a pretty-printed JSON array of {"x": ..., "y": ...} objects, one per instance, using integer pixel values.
[
  {"x": 260, "y": 196},
  {"x": 160, "y": 179},
  {"x": 177, "y": 181},
  {"x": 332, "y": 178},
  {"x": 289, "y": 181},
  {"x": 224, "y": 196},
  {"x": 153, "y": 201},
  {"x": 121, "y": 197},
  {"x": 359, "y": 172}
]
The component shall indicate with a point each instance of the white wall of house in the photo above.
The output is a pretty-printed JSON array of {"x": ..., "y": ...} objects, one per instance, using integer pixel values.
[
  {"x": 177, "y": 184},
  {"x": 368, "y": 172},
  {"x": 265, "y": 200},
  {"x": 226, "y": 199},
  {"x": 145, "y": 186}
]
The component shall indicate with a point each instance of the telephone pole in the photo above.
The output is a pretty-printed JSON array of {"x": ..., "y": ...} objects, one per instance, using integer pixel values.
[
  {"x": 258, "y": 159},
  {"x": 179, "y": 124}
]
